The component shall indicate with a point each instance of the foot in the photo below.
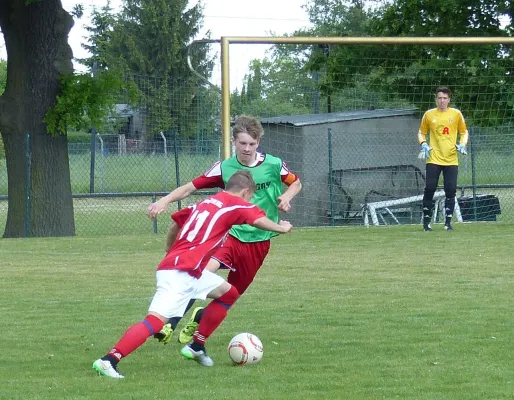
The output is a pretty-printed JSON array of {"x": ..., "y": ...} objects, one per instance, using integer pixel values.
[
  {"x": 427, "y": 228},
  {"x": 105, "y": 368},
  {"x": 200, "y": 356},
  {"x": 448, "y": 227},
  {"x": 165, "y": 334},
  {"x": 186, "y": 334}
]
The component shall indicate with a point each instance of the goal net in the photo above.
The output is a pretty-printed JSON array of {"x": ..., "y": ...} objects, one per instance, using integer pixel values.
[{"x": 345, "y": 118}]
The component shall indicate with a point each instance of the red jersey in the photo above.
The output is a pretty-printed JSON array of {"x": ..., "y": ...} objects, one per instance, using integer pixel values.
[{"x": 205, "y": 230}]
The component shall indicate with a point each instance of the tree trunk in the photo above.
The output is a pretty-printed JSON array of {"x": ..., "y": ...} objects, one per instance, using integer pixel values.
[{"x": 39, "y": 186}]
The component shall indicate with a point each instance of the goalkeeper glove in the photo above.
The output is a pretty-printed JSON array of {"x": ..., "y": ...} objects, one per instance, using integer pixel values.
[
  {"x": 461, "y": 149},
  {"x": 425, "y": 150}
]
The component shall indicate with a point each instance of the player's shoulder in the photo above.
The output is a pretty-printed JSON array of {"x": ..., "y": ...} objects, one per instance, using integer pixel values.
[
  {"x": 270, "y": 158},
  {"x": 431, "y": 111},
  {"x": 455, "y": 110}
]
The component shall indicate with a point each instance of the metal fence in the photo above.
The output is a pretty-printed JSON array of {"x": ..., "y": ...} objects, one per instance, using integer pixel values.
[{"x": 341, "y": 174}]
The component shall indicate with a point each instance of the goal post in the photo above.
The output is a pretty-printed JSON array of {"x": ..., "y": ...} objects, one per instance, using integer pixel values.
[{"x": 354, "y": 145}]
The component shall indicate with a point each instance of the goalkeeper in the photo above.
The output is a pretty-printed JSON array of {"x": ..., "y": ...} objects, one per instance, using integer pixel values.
[{"x": 443, "y": 124}]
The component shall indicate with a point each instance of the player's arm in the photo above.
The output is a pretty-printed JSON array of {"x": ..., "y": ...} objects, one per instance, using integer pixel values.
[
  {"x": 173, "y": 231},
  {"x": 177, "y": 194},
  {"x": 257, "y": 217},
  {"x": 294, "y": 185},
  {"x": 178, "y": 219},
  {"x": 423, "y": 130},
  {"x": 210, "y": 179},
  {"x": 267, "y": 224},
  {"x": 464, "y": 135}
]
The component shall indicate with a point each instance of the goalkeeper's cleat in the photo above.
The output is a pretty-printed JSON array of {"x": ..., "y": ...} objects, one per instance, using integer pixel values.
[
  {"x": 186, "y": 334},
  {"x": 165, "y": 334},
  {"x": 105, "y": 368},
  {"x": 200, "y": 356},
  {"x": 427, "y": 228},
  {"x": 448, "y": 227}
]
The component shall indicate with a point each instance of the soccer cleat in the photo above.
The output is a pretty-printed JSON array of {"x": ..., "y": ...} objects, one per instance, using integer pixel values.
[
  {"x": 199, "y": 356},
  {"x": 105, "y": 368},
  {"x": 448, "y": 227},
  {"x": 165, "y": 334},
  {"x": 186, "y": 334},
  {"x": 427, "y": 228}
]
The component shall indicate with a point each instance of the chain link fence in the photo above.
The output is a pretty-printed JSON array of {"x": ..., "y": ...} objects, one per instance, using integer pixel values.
[
  {"x": 342, "y": 168},
  {"x": 350, "y": 135}
]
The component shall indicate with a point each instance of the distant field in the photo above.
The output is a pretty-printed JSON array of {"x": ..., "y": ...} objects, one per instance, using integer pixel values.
[{"x": 343, "y": 313}]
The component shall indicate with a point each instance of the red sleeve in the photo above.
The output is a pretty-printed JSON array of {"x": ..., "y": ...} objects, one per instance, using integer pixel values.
[
  {"x": 211, "y": 178},
  {"x": 180, "y": 217},
  {"x": 249, "y": 215}
]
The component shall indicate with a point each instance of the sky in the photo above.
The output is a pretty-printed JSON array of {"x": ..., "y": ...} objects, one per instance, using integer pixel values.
[{"x": 221, "y": 18}]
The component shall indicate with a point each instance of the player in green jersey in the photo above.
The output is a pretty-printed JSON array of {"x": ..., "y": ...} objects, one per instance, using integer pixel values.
[{"x": 246, "y": 247}]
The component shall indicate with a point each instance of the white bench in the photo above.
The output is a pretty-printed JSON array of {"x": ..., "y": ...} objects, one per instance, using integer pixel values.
[{"x": 375, "y": 210}]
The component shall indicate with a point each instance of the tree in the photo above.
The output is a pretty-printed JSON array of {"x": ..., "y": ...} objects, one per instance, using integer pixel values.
[
  {"x": 149, "y": 39},
  {"x": 480, "y": 75},
  {"x": 36, "y": 39}
]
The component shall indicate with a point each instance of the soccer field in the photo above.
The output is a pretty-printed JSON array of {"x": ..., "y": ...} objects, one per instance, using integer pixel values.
[{"x": 343, "y": 313}]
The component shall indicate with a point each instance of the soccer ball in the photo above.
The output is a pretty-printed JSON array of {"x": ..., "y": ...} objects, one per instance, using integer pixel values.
[{"x": 245, "y": 348}]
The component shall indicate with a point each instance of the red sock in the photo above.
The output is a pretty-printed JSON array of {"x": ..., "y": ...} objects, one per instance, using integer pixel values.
[
  {"x": 135, "y": 336},
  {"x": 214, "y": 314}
]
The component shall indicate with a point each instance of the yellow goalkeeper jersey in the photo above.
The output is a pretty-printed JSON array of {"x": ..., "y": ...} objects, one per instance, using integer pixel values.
[{"x": 444, "y": 128}]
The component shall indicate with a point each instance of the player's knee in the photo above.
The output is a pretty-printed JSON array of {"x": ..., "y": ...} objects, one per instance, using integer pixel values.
[
  {"x": 229, "y": 298},
  {"x": 154, "y": 322}
]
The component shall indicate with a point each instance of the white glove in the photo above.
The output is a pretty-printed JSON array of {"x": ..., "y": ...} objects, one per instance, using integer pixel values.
[
  {"x": 461, "y": 149},
  {"x": 425, "y": 151}
]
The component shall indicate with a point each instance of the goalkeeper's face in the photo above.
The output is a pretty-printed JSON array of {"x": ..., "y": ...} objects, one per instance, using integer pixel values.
[
  {"x": 442, "y": 100},
  {"x": 246, "y": 148}
]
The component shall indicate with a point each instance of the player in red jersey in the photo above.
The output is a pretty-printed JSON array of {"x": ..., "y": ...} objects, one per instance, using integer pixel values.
[{"x": 181, "y": 276}]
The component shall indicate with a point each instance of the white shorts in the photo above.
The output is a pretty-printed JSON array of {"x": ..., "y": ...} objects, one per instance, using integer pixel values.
[{"x": 175, "y": 288}]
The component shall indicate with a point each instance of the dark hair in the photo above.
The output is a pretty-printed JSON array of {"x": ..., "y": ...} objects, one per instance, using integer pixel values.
[
  {"x": 249, "y": 125},
  {"x": 444, "y": 90},
  {"x": 241, "y": 180}
]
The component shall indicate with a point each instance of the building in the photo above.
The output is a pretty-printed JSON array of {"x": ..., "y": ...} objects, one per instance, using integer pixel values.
[{"x": 346, "y": 159}]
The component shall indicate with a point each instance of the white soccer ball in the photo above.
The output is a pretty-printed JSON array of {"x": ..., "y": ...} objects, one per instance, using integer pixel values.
[{"x": 245, "y": 348}]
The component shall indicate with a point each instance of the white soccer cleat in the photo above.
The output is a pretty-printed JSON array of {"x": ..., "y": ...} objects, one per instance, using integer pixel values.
[
  {"x": 200, "y": 356},
  {"x": 105, "y": 368}
]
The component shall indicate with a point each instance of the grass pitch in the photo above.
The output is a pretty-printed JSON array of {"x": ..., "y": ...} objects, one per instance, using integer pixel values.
[{"x": 343, "y": 313}]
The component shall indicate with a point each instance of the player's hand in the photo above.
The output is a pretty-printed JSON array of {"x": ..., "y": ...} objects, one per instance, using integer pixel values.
[
  {"x": 286, "y": 225},
  {"x": 156, "y": 208},
  {"x": 461, "y": 149},
  {"x": 425, "y": 151},
  {"x": 284, "y": 204}
]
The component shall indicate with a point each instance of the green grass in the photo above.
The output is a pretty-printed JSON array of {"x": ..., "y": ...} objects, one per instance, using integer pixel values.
[{"x": 346, "y": 313}]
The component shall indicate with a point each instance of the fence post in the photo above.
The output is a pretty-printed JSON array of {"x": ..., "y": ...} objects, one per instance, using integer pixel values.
[
  {"x": 473, "y": 177},
  {"x": 154, "y": 199},
  {"x": 177, "y": 168},
  {"x": 165, "y": 161},
  {"x": 28, "y": 164},
  {"x": 330, "y": 183},
  {"x": 102, "y": 163}
]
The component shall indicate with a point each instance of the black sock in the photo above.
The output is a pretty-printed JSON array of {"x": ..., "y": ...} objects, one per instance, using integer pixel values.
[
  {"x": 113, "y": 360},
  {"x": 198, "y": 316},
  {"x": 175, "y": 320},
  {"x": 427, "y": 215},
  {"x": 197, "y": 346}
]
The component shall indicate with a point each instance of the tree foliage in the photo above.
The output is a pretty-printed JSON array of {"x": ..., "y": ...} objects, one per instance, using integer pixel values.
[
  {"x": 148, "y": 41},
  {"x": 377, "y": 76}
]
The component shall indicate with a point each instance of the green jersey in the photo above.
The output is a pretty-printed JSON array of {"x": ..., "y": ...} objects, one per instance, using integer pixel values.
[{"x": 268, "y": 174}]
